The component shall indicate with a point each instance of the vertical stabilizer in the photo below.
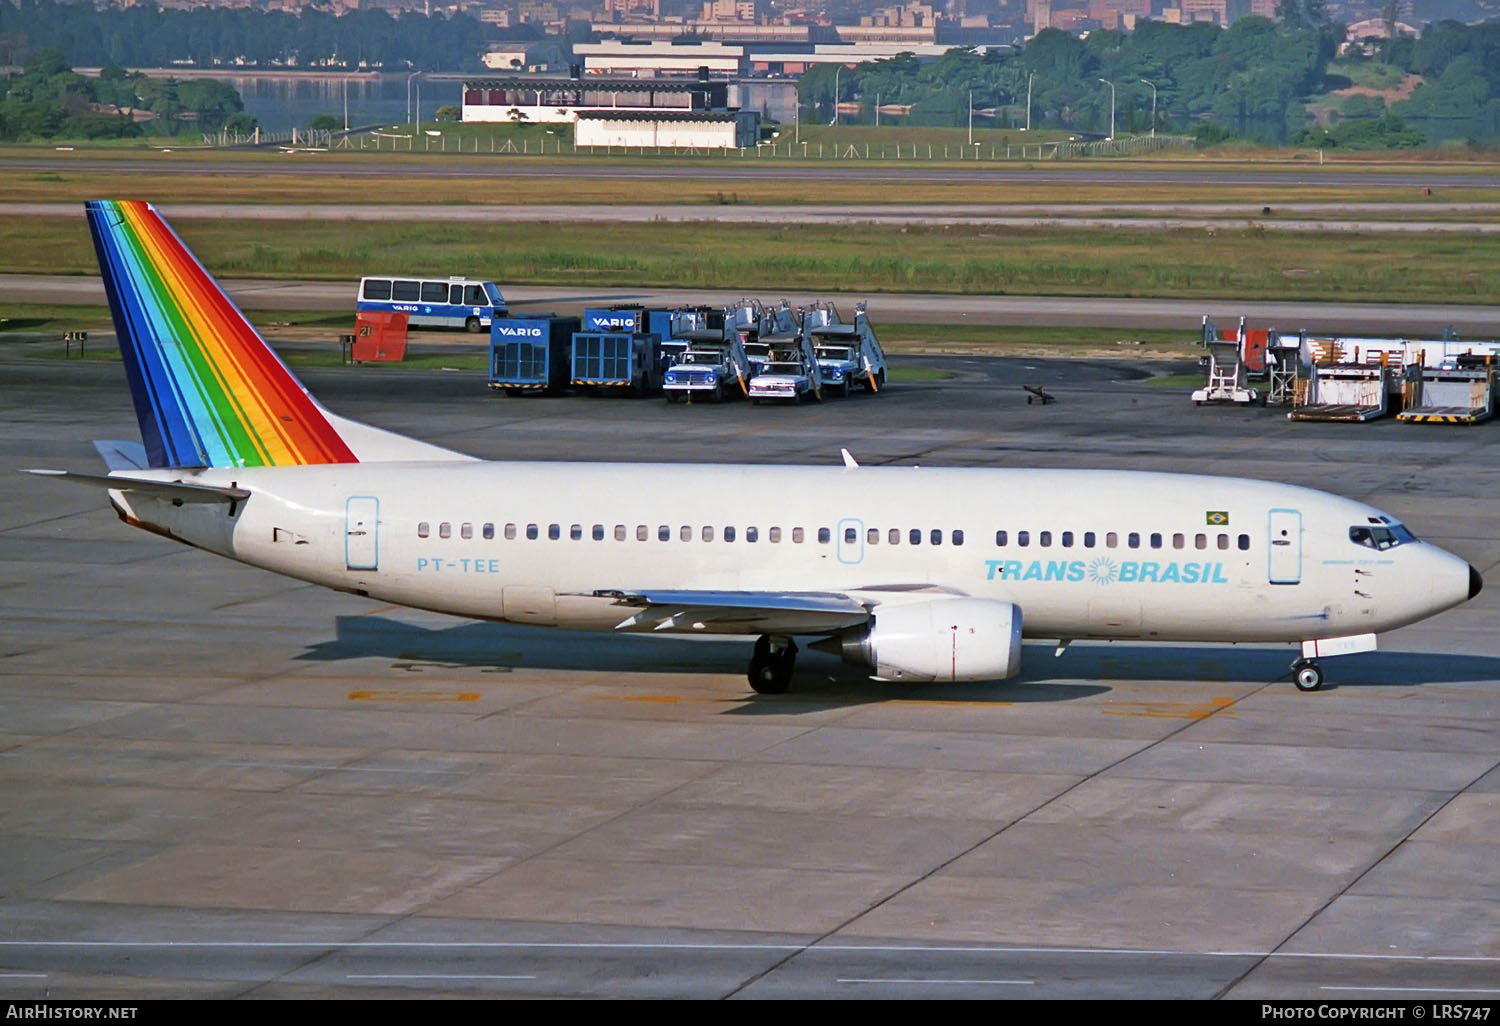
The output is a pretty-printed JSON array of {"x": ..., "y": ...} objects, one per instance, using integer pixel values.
[{"x": 208, "y": 391}]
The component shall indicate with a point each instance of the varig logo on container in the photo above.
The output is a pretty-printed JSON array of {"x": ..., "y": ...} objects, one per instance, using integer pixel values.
[
  {"x": 514, "y": 330},
  {"x": 1104, "y": 571}
]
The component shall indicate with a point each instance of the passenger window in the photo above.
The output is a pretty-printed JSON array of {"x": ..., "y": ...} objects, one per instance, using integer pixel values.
[
  {"x": 406, "y": 291},
  {"x": 685, "y": 533},
  {"x": 423, "y": 529},
  {"x": 576, "y": 532},
  {"x": 1244, "y": 543},
  {"x": 641, "y": 532},
  {"x": 893, "y": 536},
  {"x": 1179, "y": 541},
  {"x": 554, "y": 532},
  {"x": 1156, "y": 539},
  {"x": 1133, "y": 539},
  {"x": 531, "y": 533},
  {"x": 729, "y": 534},
  {"x": 466, "y": 531},
  {"x": 1223, "y": 541},
  {"x": 1000, "y": 539},
  {"x": 914, "y": 536},
  {"x": 434, "y": 292},
  {"x": 455, "y": 294},
  {"x": 936, "y": 537},
  {"x": 1200, "y": 541},
  {"x": 489, "y": 532},
  {"x": 1111, "y": 540},
  {"x": 958, "y": 537},
  {"x": 620, "y": 532},
  {"x": 663, "y": 533},
  {"x": 598, "y": 532},
  {"x": 872, "y": 536},
  {"x": 378, "y": 288},
  {"x": 1023, "y": 538},
  {"x": 824, "y": 536},
  {"x": 708, "y": 534},
  {"x": 1088, "y": 539},
  {"x": 445, "y": 530},
  {"x": 796, "y": 536},
  {"x": 1044, "y": 539},
  {"x": 1067, "y": 539},
  {"x": 752, "y": 534},
  {"x": 474, "y": 296},
  {"x": 774, "y": 535},
  {"x": 510, "y": 532}
]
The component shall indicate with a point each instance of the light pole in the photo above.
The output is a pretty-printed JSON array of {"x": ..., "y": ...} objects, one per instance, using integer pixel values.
[
  {"x": 1028, "y": 100},
  {"x": 413, "y": 75},
  {"x": 836, "y": 70},
  {"x": 1111, "y": 107},
  {"x": 971, "y": 117},
  {"x": 1153, "y": 108}
]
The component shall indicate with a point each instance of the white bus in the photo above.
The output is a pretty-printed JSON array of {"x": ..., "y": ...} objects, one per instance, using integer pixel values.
[{"x": 434, "y": 302}]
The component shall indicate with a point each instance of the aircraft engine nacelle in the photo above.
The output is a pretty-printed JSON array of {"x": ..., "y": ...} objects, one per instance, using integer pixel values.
[{"x": 949, "y": 639}]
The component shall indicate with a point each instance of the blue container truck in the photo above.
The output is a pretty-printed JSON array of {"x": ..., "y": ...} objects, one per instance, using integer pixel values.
[
  {"x": 531, "y": 354},
  {"x": 616, "y": 360}
]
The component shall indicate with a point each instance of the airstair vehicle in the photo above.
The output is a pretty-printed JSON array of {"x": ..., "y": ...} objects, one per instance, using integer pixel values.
[
  {"x": 714, "y": 364},
  {"x": 848, "y": 353},
  {"x": 1226, "y": 369},
  {"x": 791, "y": 374}
]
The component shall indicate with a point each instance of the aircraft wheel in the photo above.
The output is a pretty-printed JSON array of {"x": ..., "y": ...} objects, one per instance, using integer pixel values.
[
  {"x": 1307, "y": 675},
  {"x": 771, "y": 671}
]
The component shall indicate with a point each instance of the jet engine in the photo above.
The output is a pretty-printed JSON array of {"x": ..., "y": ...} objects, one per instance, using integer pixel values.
[{"x": 949, "y": 639}]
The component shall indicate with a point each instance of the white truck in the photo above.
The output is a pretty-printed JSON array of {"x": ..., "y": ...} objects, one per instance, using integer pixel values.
[{"x": 791, "y": 372}]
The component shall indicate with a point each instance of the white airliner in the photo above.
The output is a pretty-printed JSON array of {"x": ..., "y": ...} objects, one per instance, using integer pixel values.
[{"x": 920, "y": 574}]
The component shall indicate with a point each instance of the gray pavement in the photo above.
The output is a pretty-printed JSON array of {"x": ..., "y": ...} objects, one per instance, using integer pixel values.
[
  {"x": 1392, "y": 218},
  {"x": 728, "y": 169},
  {"x": 216, "y": 782}
]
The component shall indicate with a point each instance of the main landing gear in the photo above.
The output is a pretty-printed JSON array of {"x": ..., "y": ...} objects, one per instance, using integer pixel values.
[
  {"x": 771, "y": 664},
  {"x": 1307, "y": 675}
]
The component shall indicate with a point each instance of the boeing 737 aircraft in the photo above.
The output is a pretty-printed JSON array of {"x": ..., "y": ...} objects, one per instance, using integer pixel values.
[{"x": 920, "y": 574}]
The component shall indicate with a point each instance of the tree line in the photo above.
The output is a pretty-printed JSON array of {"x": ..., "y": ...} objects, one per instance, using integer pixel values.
[
  {"x": 48, "y": 100},
  {"x": 144, "y": 36},
  {"x": 1251, "y": 81}
]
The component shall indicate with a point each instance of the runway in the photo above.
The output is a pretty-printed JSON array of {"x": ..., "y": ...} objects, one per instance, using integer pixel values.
[
  {"x": 1415, "y": 319},
  {"x": 221, "y": 783},
  {"x": 1389, "y": 218},
  {"x": 731, "y": 169}
]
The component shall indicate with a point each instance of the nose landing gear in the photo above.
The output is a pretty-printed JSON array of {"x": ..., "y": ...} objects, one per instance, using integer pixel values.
[
  {"x": 771, "y": 664},
  {"x": 1307, "y": 675}
]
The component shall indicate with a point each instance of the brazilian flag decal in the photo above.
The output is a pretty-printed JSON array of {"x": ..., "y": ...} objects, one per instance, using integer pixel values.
[{"x": 1218, "y": 518}]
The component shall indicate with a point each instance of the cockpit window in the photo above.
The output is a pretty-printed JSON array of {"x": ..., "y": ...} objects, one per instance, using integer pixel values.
[{"x": 1382, "y": 537}]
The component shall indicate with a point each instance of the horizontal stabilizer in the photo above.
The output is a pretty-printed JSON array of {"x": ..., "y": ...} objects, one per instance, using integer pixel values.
[{"x": 179, "y": 491}]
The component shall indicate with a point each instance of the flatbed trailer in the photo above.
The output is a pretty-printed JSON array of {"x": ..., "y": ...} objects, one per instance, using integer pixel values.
[
  {"x": 1456, "y": 395},
  {"x": 1343, "y": 392}
]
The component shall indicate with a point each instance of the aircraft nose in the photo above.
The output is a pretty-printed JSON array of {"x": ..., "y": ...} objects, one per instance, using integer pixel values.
[{"x": 1476, "y": 583}]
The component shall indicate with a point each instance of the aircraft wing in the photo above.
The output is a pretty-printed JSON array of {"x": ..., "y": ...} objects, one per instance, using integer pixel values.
[{"x": 738, "y": 612}]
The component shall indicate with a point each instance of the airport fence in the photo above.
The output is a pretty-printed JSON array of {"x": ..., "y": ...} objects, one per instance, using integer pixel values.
[{"x": 437, "y": 142}]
